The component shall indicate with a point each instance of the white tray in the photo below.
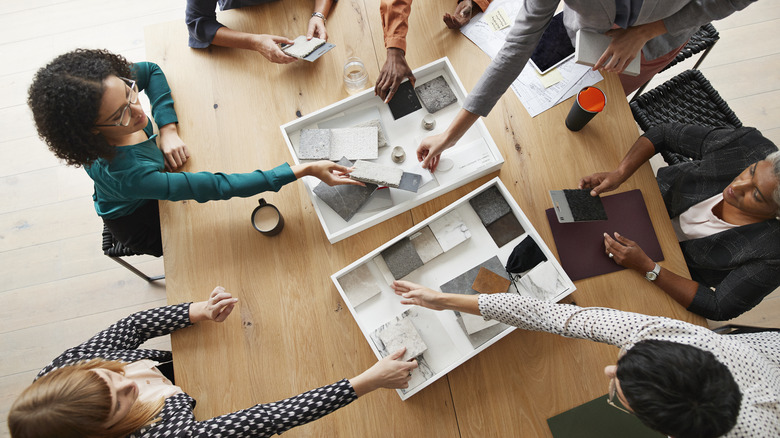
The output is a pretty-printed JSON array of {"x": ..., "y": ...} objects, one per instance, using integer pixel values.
[
  {"x": 475, "y": 155},
  {"x": 448, "y": 344}
]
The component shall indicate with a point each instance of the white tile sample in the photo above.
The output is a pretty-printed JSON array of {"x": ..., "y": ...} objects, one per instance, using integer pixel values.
[
  {"x": 426, "y": 244},
  {"x": 381, "y": 137},
  {"x": 400, "y": 333},
  {"x": 450, "y": 230},
  {"x": 359, "y": 285},
  {"x": 541, "y": 282},
  {"x": 476, "y": 323},
  {"x": 354, "y": 143},
  {"x": 302, "y": 47},
  {"x": 369, "y": 172}
]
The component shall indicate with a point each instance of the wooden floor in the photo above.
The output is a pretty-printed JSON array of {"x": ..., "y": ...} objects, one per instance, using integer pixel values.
[{"x": 58, "y": 288}]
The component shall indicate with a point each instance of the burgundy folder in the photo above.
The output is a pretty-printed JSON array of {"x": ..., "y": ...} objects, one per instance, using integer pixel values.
[{"x": 581, "y": 244}]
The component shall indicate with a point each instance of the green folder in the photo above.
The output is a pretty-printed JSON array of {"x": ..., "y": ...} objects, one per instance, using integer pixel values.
[{"x": 597, "y": 419}]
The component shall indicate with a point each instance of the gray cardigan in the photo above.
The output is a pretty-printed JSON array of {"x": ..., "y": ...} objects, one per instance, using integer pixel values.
[{"x": 681, "y": 17}]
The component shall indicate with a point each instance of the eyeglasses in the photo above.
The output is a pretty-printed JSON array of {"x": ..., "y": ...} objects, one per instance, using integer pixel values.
[
  {"x": 613, "y": 397},
  {"x": 132, "y": 98}
]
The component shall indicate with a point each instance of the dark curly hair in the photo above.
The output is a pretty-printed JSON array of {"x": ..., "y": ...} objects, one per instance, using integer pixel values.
[
  {"x": 65, "y": 98},
  {"x": 679, "y": 390}
]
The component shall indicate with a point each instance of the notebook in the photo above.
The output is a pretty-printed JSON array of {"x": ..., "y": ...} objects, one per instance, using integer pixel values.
[{"x": 589, "y": 46}]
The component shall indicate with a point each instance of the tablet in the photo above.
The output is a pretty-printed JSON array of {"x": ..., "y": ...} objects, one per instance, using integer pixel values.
[{"x": 554, "y": 47}]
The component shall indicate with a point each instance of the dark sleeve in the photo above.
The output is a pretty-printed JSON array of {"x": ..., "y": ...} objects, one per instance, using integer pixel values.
[
  {"x": 151, "y": 79},
  {"x": 688, "y": 140},
  {"x": 128, "y": 333},
  {"x": 261, "y": 420},
  {"x": 741, "y": 290},
  {"x": 202, "y": 24}
]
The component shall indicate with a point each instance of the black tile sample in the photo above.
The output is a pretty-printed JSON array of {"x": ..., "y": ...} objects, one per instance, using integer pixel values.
[
  {"x": 505, "y": 229},
  {"x": 404, "y": 101}
]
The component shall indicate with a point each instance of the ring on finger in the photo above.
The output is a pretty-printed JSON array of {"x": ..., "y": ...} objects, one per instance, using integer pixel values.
[{"x": 610, "y": 255}]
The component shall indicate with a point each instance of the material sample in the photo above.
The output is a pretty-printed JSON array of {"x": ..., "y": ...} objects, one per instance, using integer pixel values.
[
  {"x": 369, "y": 172},
  {"x": 436, "y": 94}
]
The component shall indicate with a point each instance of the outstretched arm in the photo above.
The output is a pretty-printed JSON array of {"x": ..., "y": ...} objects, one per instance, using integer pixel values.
[
  {"x": 601, "y": 182},
  {"x": 395, "y": 25}
]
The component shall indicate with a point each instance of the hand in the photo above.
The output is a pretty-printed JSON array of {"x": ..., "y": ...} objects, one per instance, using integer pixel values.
[
  {"x": 429, "y": 150},
  {"x": 216, "y": 308},
  {"x": 602, "y": 182},
  {"x": 388, "y": 372},
  {"x": 173, "y": 148},
  {"x": 418, "y": 295},
  {"x": 328, "y": 172},
  {"x": 461, "y": 16},
  {"x": 268, "y": 46},
  {"x": 317, "y": 29},
  {"x": 627, "y": 253},
  {"x": 624, "y": 47},
  {"x": 392, "y": 74}
]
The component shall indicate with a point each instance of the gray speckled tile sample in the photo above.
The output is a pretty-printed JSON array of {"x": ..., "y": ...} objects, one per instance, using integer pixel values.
[
  {"x": 462, "y": 285},
  {"x": 381, "y": 137},
  {"x": 302, "y": 47},
  {"x": 400, "y": 333},
  {"x": 490, "y": 205},
  {"x": 354, "y": 143},
  {"x": 346, "y": 199},
  {"x": 314, "y": 144},
  {"x": 426, "y": 244},
  {"x": 369, "y": 172},
  {"x": 410, "y": 182},
  {"x": 436, "y": 94},
  {"x": 450, "y": 230},
  {"x": 401, "y": 258},
  {"x": 359, "y": 285}
]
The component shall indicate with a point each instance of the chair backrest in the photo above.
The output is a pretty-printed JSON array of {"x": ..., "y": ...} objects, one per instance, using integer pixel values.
[
  {"x": 685, "y": 98},
  {"x": 701, "y": 41},
  {"x": 112, "y": 247}
]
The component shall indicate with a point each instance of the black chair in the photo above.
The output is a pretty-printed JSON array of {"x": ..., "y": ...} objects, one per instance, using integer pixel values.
[
  {"x": 115, "y": 250},
  {"x": 701, "y": 41},
  {"x": 685, "y": 98}
]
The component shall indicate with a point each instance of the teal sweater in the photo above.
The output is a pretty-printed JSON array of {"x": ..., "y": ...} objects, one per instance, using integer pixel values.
[{"x": 136, "y": 174}]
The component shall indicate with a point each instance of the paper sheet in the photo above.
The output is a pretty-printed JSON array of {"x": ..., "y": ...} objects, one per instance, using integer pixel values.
[{"x": 533, "y": 93}]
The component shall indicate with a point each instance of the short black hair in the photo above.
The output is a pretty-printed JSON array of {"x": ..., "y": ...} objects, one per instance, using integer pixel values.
[
  {"x": 679, "y": 390},
  {"x": 65, "y": 99}
]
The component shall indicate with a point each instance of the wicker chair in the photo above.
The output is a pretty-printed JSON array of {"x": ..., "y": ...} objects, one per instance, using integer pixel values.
[
  {"x": 685, "y": 98},
  {"x": 115, "y": 250},
  {"x": 701, "y": 41}
]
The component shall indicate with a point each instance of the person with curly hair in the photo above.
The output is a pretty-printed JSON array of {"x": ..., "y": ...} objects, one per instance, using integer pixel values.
[
  {"x": 108, "y": 387},
  {"x": 86, "y": 108}
]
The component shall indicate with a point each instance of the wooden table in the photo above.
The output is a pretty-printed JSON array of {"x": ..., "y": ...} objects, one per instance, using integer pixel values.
[{"x": 291, "y": 331}]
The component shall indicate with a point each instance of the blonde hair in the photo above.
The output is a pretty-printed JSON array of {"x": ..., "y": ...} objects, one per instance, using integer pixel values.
[{"x": 75, "y": 402}]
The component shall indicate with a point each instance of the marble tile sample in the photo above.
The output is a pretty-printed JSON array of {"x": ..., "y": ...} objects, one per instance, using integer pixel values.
[
  {"x": 541, "y": 282},
  {"x": 369, "y": 172},
  {"x": 426, "y": 244},
  {"x": 410, "y": 182},
  {"x": 302, "y": 46},
  {"x": 505, "y": 229},
  {"x": 359, "y": 285},
  {"x": 381, "y": 137},
  {"x": 488, "y": 282},
  {"x": 404, "y": 102},
  {"x": 345, "y": 199},
  {"x": 463, "y": 283},
  {"x": 399, "y": 333},
  {"x": 436, "y": 94},
  {"x": 490, "y": 205},
  {"x": 354, "y": 143},
  {"x": 314, "y": 144},
  {"x": 401, "y": 258},
  {"x": 384, "y": 270},
  {"x": 450, "y": 230}
]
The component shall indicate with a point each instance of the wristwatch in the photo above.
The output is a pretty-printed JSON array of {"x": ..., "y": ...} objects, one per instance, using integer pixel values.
[
  {"x": 652, "y": 275},
  {"x": 320, "y": 15}
]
